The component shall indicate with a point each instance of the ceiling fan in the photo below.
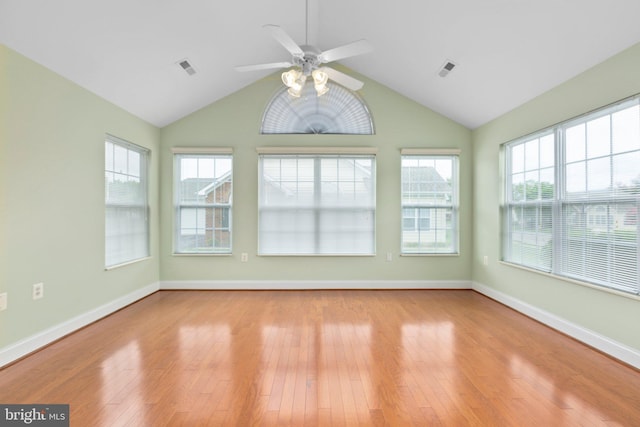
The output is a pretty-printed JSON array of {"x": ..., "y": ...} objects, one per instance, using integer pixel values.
[{"x": 308, "y": 61}]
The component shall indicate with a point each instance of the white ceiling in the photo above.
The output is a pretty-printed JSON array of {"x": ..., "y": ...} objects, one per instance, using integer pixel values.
[{"x": 507, "y": 51}]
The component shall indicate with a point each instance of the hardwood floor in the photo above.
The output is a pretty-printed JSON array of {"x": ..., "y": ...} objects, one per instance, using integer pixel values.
[{"x": 341, "y": 358}]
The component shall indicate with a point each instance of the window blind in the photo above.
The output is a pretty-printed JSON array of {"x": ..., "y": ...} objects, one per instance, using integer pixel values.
[
  {"x": 572, "y": 197},
  {"x": 316, "y": 204},
  {"x": 126, "y": 204},
  {"x": 600, "y": 199},
  {"x": 530, "y": 193}
]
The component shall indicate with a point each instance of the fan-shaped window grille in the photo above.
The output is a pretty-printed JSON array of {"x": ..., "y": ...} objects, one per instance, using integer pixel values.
[{"x": 338, "y": 111}]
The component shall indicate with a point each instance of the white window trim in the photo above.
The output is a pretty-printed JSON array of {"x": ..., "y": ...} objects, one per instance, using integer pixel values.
[
  {"x": 317, "y": 153},
  {"x": 317, "y": 150},
  {"x": 430, "y": 151},
  {"x": 196, "y": 151},
  {"x": 145, "y": 154},
  {"x": 435, "y": 152},
  {"x": 561, "y": 199},
  {"x": 201, "y": 150}
]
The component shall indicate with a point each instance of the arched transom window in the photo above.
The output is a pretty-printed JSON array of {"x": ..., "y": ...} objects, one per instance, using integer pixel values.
[{"x": 339, "y": 111}]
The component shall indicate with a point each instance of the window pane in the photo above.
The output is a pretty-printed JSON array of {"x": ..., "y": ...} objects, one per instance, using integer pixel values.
[
  {"x": 593, "y": 219},
  {"x": 547, "y": 183},
  {"x": 626, "y": 129},
  {"x": 529, "y": 208},
  {"x": 126, "y": 205},
  {"x": 575, "y": 147},
  {"x": 532, "y": 182},
  {"x": 531, "y": 155},
  {"x": 547, "y": 151},
  {"x": 120, "y": 159},
  {"x": 598, "y": 137},
  {"x": 289, "y": 170},
  {"x": 203, "y": 196},
  {"x": 429, "y": 200},
  {"x": 271, "y": 168},
  {"x": 134, "y": 163},
  {"x": 601, "y": 244},
  {"x": 626, "y": 172},
  {"x": 345, "y": 231},
  {"x": 188, "y": 168},
  {"x": 530, "y": 236},
  {"x": 576, "y": 180},
  {"x": 517, "y": 158},
  {"x": 108, "y": 154},
  {"x": 599, "y": 174},
  {"x": 325, "y": 206},
  {"x": 517, "y": 187}
]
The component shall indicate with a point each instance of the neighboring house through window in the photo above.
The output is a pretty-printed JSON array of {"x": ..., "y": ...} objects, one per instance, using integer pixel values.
[
  {"x": 126, "y": 203},
  {"x": 203, "y": 197}
]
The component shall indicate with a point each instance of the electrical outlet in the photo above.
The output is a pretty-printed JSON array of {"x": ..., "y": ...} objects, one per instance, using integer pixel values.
[
  {"x": 485, "y": 260},
  {"x": 3, "y": 301},
  {"x": 244, "y": 257},
  {"x": 389, "y": 256},
  {"x": 38, "y": 291}
]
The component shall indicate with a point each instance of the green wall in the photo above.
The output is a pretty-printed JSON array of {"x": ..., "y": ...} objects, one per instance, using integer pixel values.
[
  {"x": 614, "y": 316},
  {"x": 52, "y": 198},
  {"x": 235, "y": 122}
]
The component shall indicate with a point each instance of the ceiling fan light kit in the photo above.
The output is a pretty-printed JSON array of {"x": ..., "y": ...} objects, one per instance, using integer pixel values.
[
  {"x": 307, "y": 62},
  {"x": 294, "y": 80},
  {"x": 320, "y": 79}
]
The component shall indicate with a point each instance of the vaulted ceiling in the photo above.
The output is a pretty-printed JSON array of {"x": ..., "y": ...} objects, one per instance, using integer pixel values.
[{"x": 506, "y": 51}]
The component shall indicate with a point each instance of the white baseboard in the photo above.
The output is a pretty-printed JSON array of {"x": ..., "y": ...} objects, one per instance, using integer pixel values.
[
  {"x": 600, "y": 342},
  {"x": 311, "y": 284},
  {"x": 30, "y": 344}
]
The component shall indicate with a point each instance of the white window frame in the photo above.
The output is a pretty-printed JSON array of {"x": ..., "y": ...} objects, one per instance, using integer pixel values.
[
  {"x": 588, "y": 182},
  {"x": 280, "y": 232},
  {"x": 126, "y": 208},
  {"x": 529, "y": 205},
  {"x": 420, "y": 239},
  {"x": 220, "y": 237}
]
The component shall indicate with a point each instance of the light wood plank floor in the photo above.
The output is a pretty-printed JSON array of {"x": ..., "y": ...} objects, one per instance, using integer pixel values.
[{"x": 341, "y": 358}]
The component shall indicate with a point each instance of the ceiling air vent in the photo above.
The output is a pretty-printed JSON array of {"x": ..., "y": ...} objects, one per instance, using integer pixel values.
[
  {"x": 446, "y": 68},
  {"x": 186, "y": 66}
]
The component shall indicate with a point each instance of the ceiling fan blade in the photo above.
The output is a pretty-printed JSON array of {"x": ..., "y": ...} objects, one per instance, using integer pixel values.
[
  {"x": 343, "y": 79},
  {"x": 269, "y": 66},
  {"x": 352, "y": 49},
  {"x": 284, "y": 39}
]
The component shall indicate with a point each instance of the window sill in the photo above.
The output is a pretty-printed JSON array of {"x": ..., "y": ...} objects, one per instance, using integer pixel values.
[
  {"x": 317, "y": 255},
  {"x": 430, "y": 254},
  {"x": 124, "y": 264},
  {"x": 197, "y": 254}
]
